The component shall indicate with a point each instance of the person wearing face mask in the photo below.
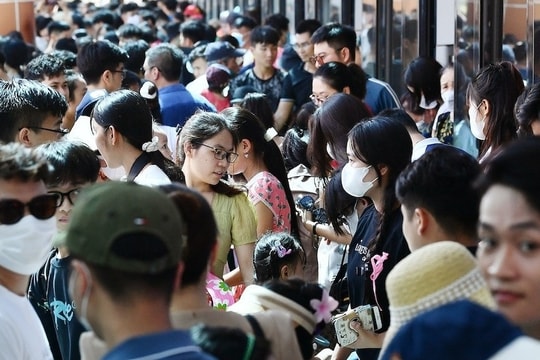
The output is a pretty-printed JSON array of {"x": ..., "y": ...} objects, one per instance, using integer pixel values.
[
  {"x": 378, "y": 150},
  {"x": 423, "y": 89},
  {"x": 126, "y": 262},
  {"x": 451, "y": 125},
  {"x": 327, "y": 148},
  {"x": 491, "y": 96},
  {"x": 27, "y": 226}
]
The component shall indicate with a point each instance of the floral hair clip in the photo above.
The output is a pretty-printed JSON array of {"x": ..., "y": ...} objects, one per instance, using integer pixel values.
[
  {"x": 282, "y": 251},
  {"x": 324, "y": 307}
]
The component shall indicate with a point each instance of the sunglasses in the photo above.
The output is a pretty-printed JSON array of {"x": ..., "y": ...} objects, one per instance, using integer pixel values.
[{"x": 41, "y": 207}]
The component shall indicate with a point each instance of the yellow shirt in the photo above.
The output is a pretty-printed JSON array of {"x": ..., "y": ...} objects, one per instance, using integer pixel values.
[{"x": 236, "y": 224}]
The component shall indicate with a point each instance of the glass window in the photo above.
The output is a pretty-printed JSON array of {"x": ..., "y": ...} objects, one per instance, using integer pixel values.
[
  {"x": 519, "y": 42},
  {"x": 468, "y": 35},
  {"x": 366, "y": 29},
  {"x": 404, "y": 40}
]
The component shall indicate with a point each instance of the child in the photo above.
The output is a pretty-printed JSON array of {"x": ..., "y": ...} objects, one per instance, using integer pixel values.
[
  {"x": 278, "y": 256},
  {"x": 227, "y": 343},
  {"x": 74, "y": 166},
  {"x": 218, "y": 78}
]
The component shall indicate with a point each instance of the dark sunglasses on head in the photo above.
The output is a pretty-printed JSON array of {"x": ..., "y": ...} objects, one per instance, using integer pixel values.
[{"x": 41, "y": 207}]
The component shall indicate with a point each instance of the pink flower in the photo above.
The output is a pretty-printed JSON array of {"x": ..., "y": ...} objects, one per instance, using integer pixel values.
[{"x": 324, "y": 307}]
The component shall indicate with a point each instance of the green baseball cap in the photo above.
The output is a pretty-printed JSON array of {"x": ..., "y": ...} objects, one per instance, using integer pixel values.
[{"x": 125, "y": 226}]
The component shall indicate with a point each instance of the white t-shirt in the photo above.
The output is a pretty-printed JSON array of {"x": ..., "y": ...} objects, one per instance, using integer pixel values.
[{"x": 21, "y": 334}]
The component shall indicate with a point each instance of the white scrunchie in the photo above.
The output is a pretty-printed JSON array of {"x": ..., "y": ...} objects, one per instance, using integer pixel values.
[
  {"x": 152, "y": 145},
  {"x": 270, "y": 134}
]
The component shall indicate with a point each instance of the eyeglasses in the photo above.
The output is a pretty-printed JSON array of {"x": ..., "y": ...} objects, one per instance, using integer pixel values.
[
  {"x": 41, "y": 207},
  {"x": 318, "y": 100},
  {"x": 220, "y": 154},
  {"x": 123, "y": 72},
  {"x": 71, "y": 195},
  {"x": 301, "y": 45},
  {"x": 319, "y": 59},
  {"x": 61, "y": 132}
]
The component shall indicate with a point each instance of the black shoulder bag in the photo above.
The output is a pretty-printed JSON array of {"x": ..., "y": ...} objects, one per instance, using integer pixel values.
[{"x": 339, "y": 289}]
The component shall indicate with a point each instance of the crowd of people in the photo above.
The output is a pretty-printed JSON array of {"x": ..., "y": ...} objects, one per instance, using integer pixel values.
[{"x": 177, "y": 188}]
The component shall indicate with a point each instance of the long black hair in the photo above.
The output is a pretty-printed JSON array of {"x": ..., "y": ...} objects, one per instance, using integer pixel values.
[
  {"x": 247, "y": 126},
  {"x": 382, "y": 141},
  {"x": 128, "y": 112}
]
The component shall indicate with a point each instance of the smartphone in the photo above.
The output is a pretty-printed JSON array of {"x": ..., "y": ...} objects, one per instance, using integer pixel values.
[{"x": 368, "y": 315}]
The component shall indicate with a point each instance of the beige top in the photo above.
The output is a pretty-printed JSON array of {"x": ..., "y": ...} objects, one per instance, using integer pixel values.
[{"x": 283, "y": 339}]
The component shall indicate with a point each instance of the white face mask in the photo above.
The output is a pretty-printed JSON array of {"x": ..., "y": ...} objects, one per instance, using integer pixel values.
[
  {"x": 425, "y": 105},
  {"x": 24, "y": 246},
  {"x": 448, "y": 97},
  {"x": 352, "y": 180},
  {"x": 82, "y": 312},
  {"x": 477, "y": 126}
]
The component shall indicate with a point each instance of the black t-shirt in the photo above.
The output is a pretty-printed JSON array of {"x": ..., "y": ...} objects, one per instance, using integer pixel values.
[
  {"x": 359, "y": 269},
  {"x": 270, "y": 87},
  {"x": 297, "y": 86},
  {"x": 48, "y": 293}
]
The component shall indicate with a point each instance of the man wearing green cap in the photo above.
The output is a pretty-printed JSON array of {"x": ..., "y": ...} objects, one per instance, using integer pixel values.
[{"x": 126, "y": 242}]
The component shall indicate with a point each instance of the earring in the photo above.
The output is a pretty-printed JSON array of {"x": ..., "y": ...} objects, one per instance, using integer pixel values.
[{"x": 246, "y": 155}]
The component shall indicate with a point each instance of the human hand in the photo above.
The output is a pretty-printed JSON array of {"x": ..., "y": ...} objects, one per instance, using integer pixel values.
[{"x": 366, "y": 339}]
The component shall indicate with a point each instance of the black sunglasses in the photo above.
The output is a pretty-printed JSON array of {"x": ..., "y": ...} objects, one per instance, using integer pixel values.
[{"x": 41, "y": 207}]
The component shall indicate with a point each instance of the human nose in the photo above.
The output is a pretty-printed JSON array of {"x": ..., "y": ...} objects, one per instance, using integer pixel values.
[
  {"x": 502, "y": 263},
  {"x": 223, "y": 162},
  {"x": 66, "y": 204}
]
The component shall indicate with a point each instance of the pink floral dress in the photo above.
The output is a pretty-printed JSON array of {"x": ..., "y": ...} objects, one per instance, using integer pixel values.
[{"x": 266, "y": 188}]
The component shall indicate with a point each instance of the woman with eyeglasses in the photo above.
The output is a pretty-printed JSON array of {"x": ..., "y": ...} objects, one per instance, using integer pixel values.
[
  {"x": 205, "y": 151},
  {"x": 261, "y": 163},
  {"x": 122, "y": 127}
]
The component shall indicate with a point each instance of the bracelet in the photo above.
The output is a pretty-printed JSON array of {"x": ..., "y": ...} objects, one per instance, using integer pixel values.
[{"x": 314, "y": 229}]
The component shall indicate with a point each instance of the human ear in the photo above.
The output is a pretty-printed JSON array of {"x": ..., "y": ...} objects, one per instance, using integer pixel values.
[
  {"x": 421, "y": 219},
  {"x": 23, "y": 136},
  {"x": 187, "y": 148},
  {"x": 485, "y": 107},
  {"x": 345, "y": 54},
  {"x": 284, "y": 272},
  {"x": 383, "y": 169}
]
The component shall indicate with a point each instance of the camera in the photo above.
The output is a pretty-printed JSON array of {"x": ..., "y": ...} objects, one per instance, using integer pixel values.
[
  {"x": 319, "y": 214},
  {"x": 368, "y": 315}
]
